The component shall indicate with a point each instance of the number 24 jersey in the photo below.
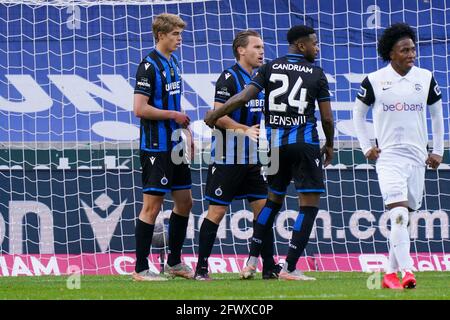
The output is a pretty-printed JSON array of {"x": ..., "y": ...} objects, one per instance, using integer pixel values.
[{"x": 292, "y": 85}]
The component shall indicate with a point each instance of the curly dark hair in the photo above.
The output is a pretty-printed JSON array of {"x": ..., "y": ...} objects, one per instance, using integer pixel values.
[
  {"x": 297, "y": 32},
  {"x": 390, "y": 37}
]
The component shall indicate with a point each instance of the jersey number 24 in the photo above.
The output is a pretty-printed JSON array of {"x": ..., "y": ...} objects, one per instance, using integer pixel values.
[{"x": 301, "y": 103}]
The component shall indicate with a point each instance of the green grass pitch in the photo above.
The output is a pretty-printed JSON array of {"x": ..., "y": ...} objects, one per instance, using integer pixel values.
[{"x": 328, "y": 286}]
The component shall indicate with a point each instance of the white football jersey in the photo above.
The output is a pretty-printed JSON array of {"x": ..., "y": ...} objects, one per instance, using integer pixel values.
[{"x": 399, "y": 110}]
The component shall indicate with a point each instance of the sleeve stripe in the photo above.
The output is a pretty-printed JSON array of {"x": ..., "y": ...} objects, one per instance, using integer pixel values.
[
  {"x": 142, "y": 92},
  {"x": 324, "y": 99},
  {"x": 220, "y": 100}
]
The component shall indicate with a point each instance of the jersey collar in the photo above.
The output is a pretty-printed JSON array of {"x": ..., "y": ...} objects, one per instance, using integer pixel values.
[
  {"x": 162, "y": 56},
  {"x": 243, "y": 70},
  {"x": 409, "y": 76},
  {"x": 296, "y": 55}
]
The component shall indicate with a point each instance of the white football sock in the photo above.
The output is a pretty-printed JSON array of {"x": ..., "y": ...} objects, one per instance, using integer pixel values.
[
  {"x": 252, "y": 261},
  {"x": 399, "y": 237},
  {"x": 393, "y": 265}
]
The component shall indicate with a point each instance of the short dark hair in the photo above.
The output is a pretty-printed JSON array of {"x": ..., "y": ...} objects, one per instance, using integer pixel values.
[
  {"x": 297, "y": 32},
  {"x": 241, "y": 40},
  {"x": 390, "y": 37}
]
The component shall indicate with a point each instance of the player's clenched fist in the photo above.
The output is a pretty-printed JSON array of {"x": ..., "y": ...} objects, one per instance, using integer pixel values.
[
  {"x": 434, "y": 160},
  {"x": 373, "y": 153},
  {"x": 328, "y": 152},
  {"x": 182, "y": 119}
]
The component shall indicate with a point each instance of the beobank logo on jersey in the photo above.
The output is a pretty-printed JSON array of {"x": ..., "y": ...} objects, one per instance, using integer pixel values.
[{"x": 403, "y": 106}]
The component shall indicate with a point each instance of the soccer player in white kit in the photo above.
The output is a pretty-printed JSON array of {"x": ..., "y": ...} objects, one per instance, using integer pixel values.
[{"x": 398, "y": 95}]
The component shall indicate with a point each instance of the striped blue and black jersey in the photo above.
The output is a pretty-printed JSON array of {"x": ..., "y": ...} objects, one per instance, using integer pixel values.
[
  {"x": 292, "y": 85},
  {"x": 231, "y": 82},
  {"x": 159, "y": 79}
]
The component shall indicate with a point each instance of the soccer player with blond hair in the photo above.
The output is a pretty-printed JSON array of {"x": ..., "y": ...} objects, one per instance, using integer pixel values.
[{"x": 157, "y": 97}]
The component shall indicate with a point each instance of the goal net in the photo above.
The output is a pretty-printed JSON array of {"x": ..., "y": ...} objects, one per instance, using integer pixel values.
[{"x": 70, "y": 184}]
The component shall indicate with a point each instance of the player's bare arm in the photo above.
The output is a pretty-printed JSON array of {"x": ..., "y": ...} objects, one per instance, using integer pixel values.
[
  {"x": 328, "y": 128},
  {"x": 143, "y": 110},
  {"x": 240, "y": 99}
]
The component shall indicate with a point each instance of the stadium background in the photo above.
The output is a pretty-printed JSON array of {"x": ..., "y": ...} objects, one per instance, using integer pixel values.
[{"x": 69, "y": 170}]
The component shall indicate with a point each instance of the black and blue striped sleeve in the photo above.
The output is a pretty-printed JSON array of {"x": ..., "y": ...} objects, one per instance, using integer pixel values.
[
  {"x": 145, "y": 79},
  {"x": 225, "y": 87}
]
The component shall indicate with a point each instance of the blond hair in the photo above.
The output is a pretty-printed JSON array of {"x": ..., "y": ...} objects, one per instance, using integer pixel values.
[{"x": 165, "y": 23}]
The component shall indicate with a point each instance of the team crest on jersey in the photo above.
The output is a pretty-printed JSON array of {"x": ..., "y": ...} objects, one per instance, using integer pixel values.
[
  {"x": 213, "y": 170},
  {"x": 164, "y": 74},
  {"x": 317, "y": 162},
  {"x": 152, "y": 160},
  {"x": 218, "y": 192},
  {"x": 146, "y": 65},
  {"x": 227, "y": 75},
  {"x": 164, "y": 181},
  {"x": 418, "y": 87}
]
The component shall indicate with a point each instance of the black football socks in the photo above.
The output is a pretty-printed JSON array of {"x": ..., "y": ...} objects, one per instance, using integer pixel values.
[
  {"x": 177, "y": 234},
  {"x": 263, "y": 226},
  {"x": 267, "y": 250},
  {"x": 143, "y": 235},
  {"x": 207, "y": 237},
  {"x": 300, "y": 235}
]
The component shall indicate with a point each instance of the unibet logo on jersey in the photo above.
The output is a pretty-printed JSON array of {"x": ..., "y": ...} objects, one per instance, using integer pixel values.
[
  {"x": 173, "y": 87},
  {"x": 255, "y": 105}
]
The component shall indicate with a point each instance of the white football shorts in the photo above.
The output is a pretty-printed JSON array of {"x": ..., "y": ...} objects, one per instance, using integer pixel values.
[{"x": 400, "y": 182}]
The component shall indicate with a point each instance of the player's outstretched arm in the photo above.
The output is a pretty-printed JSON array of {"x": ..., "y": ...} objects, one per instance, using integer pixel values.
[
  {"x": 143, "y": 110},
  {"x": 240, "y": 99},
  {"x": 326, "y": 116},
  {"x": 437, "y": 128}
]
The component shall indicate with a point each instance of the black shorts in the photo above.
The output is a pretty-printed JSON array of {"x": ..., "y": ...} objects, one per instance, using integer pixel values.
[
  {"x": 238, "y": 181},
  {"x": 301, "y": 161},
  {"x": 161, "y": 175}
]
